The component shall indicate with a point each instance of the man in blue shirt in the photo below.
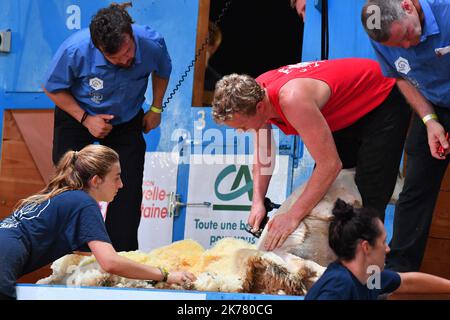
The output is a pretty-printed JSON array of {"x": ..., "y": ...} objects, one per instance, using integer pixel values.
[
  {"x": 98, "y": 79},
  {"x": 411, "y": 39}
]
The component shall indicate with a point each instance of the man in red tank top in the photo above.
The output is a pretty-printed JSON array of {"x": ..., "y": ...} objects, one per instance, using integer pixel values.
[{"x": 347, "y": 114}]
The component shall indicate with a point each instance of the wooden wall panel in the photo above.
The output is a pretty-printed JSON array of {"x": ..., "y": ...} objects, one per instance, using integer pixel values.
[
  {"x": 441, "y": 220},
  {"x": 19, "y": 176},
  {"x": 33, "y": 277},
  {"x": 446, "y": 183},
  {"x": 17, "y": 163},
  {"x": 36, "y": 128},
  {"x": 12, "y": 191},
  {"x": 437, "y": 255}
]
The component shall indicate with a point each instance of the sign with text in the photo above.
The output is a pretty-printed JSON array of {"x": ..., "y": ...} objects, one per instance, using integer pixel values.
[
  {"x": 160, "y": 179},
  {"x": 229, "y": 188}
]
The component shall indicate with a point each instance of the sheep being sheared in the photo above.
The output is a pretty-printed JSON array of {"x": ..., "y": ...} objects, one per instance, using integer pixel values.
[
  {"x": 310, "y": 240},
  {"x": 232, "y": 265}
]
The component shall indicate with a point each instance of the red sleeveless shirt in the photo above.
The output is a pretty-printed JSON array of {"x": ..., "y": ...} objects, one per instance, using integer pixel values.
[{"x": 357, "y": 87}]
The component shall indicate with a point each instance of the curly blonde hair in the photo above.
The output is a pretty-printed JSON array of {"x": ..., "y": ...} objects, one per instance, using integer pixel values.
[{"x": 236, "y": 94}]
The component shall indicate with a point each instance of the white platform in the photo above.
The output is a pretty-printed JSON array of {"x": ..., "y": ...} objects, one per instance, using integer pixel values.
[{"x": 55, "y": 292}]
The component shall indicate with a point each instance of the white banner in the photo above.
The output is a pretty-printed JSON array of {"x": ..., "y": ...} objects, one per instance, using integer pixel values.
[
  {"x": 160, "y": 179},
  {"x": 229, "y": 188}
]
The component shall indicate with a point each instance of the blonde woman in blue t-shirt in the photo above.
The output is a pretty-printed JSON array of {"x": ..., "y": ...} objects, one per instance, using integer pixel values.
[{"x": 65, "y": 217}]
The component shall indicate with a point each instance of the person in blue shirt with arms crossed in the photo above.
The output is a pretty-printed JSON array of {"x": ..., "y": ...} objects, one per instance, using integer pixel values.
[
  {"x": 97, "y": 80},
  {"x": 358, "y": 238},
  {"x": 65, "y": 217},
  {"x": 411, "y": 39}
]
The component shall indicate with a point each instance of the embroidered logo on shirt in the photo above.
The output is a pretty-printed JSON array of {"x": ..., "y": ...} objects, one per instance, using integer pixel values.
[
  {"x": 413, "y": 81},
  {"x": 402, "y": 65},
  {"x": 9, "y": 223},
  {"x": 96, "y": 83},
  {"x": 300, "y": 67},
  {"x": 27, "y": 212},
  {"x": 96, "y": 97}
]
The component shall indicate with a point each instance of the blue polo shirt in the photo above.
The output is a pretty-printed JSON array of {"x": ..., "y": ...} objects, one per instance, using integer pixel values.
[
  {"x": 101, "y": 87},
  {"x": 338, "y": 283},
  {"x": 35, "y": 236},
  {"x": 420, "y": 64}
]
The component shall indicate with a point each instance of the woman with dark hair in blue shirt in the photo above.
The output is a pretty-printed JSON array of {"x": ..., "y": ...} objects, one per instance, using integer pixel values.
[
  {"x": 65, "y": 217},
  {"x": 358, "y": 238}
]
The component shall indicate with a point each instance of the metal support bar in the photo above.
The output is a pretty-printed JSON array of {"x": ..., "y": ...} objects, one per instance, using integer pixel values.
[{"x": 175, "y": 204}]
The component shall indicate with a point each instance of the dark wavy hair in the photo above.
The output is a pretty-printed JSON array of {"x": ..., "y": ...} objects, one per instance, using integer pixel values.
[
  {"x": 108, "y": 26},
  {"x": 349, "y": 226}
]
